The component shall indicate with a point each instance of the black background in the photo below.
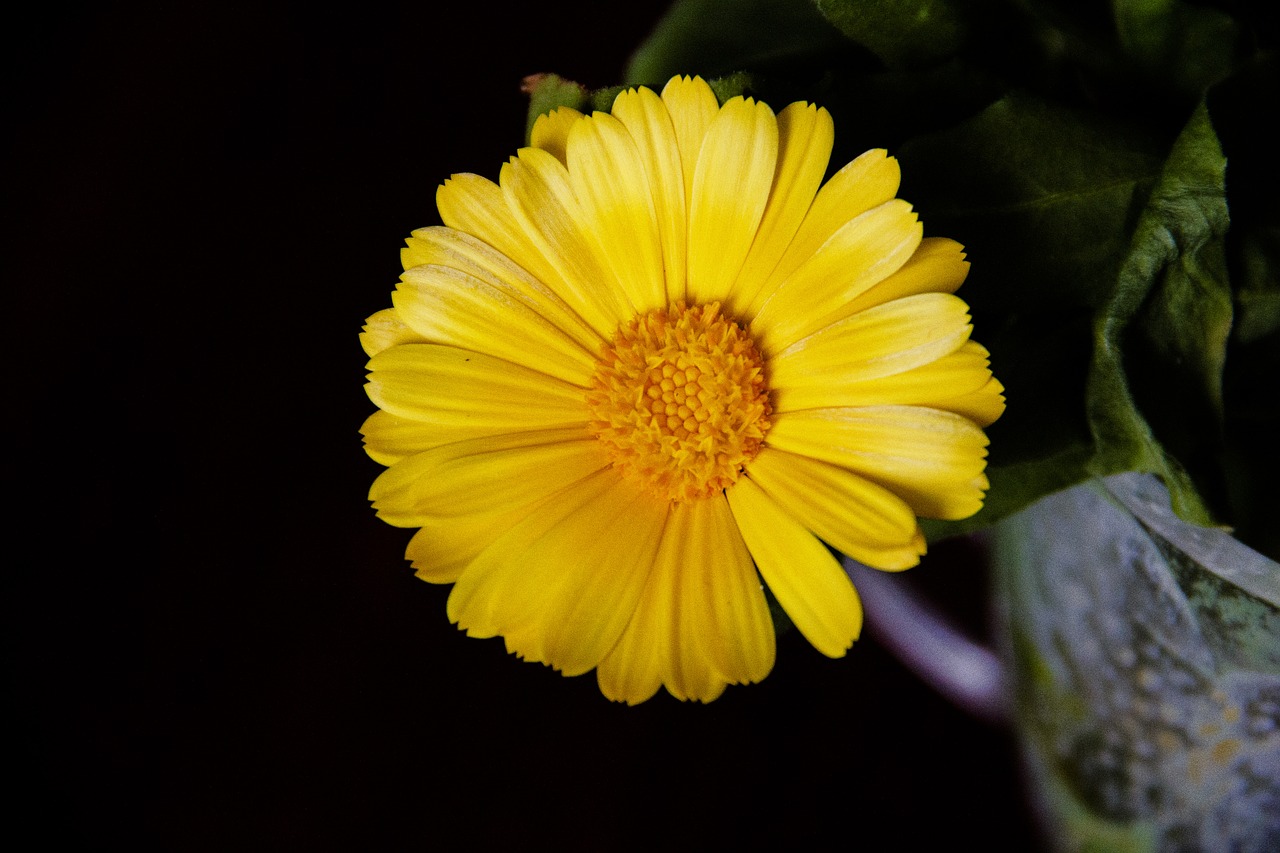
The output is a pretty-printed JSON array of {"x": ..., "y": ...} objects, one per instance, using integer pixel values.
[{"x": 212, "y": 642}]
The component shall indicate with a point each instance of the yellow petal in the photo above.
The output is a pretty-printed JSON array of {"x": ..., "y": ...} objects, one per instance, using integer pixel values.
[
  {"x": 448, "y": 247},
  {"x": 462, "y": 394},
  {"x": 607, "y": 173},
  {"x": 982, "y": 407},
  {"x": 727, "y": 203},
  {"x": 442, "y": 555},
  {"x": 449, "y": 306},
  {"x": 692, "y": 106},
  {"x": 859, "y": 255},
  {"x": 479, "y": 603},
  {"x": 645, "y": 655},
  {"x": 722, "y": 606},
  {"x": 937, "y": 266},
  {"x": 702, "y": 621},
  {"x": 496, "y": 474},
  {"x": 865, "y": 183},
  {"x": 478, "y": 207},
  {"x": 800, "y": 571},
  {"x": 933, "y": 459},
  {"x": 852, "y": 514},
  {"x": 882, "y": 341},
  {"x": 582, "y": 581},
  {"x": 633, "y": 670},
  {"x": 646, "y": 118},
  {"x": 805, "y": 136},
  {"x": 441, "y": 551},
  {"x": 388, "y": 439},
  {"x": 556, "y": 585},
  {"x": 551, "y": 131},
  {"x": 475, "y": 205},
  {"x": 541, "y": 199},
  {"x": 384, "y": 330},
  {"x": 959, "y": 382}
]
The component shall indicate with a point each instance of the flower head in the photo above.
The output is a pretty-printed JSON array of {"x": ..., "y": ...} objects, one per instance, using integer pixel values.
[{"x": 659, "y": 360}]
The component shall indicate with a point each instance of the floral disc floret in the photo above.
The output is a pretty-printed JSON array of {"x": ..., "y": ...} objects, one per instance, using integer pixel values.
[{"x": 679, "y": 401}]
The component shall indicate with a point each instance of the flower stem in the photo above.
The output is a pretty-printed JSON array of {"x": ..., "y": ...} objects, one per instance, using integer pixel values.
[{"x": 970, "y": 675}]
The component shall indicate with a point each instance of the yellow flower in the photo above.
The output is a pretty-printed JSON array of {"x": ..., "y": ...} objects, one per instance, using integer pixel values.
[{"x": 656, "y": 357}]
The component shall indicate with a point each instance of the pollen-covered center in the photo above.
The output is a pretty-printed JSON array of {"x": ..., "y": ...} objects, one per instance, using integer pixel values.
[{"x": 679, "y": 400}]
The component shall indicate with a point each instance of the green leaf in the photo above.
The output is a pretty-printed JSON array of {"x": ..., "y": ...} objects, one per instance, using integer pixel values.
[
  {"x": 1044, "y": 199},
  {"x": 1258, "y": 288},
  {"x": 1099, "y": 284},
  {"x": 1188, "y": 46},
  {"x": 1160, "y": 341},
  {"x": 790, "y": 52},
  {"x": 714, "y": 38},
  {"x": 1252, "y": 462},
  {"x": 903, "y": 33}
]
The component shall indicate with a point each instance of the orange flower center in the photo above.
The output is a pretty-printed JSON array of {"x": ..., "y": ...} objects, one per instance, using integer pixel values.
[{"x": 679, "y": 401}]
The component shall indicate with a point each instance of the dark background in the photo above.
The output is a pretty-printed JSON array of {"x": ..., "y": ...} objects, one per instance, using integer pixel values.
[{"x": 212, "y": 643}]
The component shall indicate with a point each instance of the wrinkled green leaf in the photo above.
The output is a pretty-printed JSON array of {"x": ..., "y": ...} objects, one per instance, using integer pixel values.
[
  {"x": 903, "y": 33},
  {"x": 1165, "y": 329}
]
